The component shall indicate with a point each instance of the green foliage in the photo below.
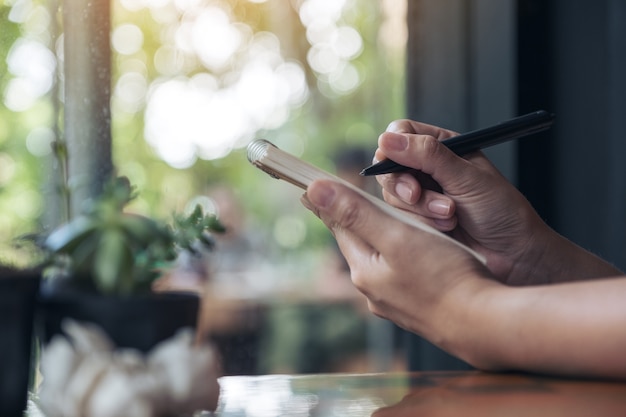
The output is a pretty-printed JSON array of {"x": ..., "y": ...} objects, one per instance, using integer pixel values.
[
  {"x": 8, "y": 34},
  {"x": 190, "y": 232},
  {"x": 315, "y": 131},
  {"x": 114, "y": 252}
]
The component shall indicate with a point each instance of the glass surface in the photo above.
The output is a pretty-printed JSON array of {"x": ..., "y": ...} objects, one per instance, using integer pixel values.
[
  {"x": 462, "y": 394},
  {"x": 418, "y": 394}
]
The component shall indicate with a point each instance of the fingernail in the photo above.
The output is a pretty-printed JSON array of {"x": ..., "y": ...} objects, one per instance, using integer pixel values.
[
  {"x": 445, "y": 224},
  {"x": 396, "y": 141},
  {"x": 304, "y": 199},
  {"x": 404, "y": 192},
  {"x": 440, "y": 207},
  {"x": 321, "y": 196}
]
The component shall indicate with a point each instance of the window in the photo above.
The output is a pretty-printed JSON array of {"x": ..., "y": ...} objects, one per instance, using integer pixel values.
[{"x": 192, "y": 82}]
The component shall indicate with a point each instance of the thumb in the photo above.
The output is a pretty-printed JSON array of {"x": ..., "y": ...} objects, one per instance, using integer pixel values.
[
  {"x": 364, "y": 231},
  {"x": 359, "y": 227}
]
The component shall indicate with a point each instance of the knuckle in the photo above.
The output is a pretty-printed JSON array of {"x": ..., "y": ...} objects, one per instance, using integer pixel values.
[
  {"x": 359, "y": 282},
  {"x": 400, "y": 125},
  {"x": 386, "y": 181},
  {"x": 349, "y": 215},
  {"x": 430, "y": 146},
  {"x": 375, "y": 309}
]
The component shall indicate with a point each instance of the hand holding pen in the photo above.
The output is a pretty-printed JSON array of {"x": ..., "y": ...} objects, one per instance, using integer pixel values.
[
  {"x": 475, "y": 311},
  {"x": 474, "y": 203},
  {"x": 479, "y": 139},
  {"x": 439, "y": 182}
]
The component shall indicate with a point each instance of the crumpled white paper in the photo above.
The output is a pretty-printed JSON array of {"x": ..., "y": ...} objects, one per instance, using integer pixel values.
[{"x": 87, "y": 376}]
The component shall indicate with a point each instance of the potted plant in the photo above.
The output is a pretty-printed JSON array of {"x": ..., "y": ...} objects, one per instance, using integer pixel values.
[
  {"x": 101, "y": 267},
  {"x": 18, "y": 293}
]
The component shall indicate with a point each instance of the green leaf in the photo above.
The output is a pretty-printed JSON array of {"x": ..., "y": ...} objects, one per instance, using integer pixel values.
[
  {"x": 113, "y": 263},
  {"x": 144, "y": 230},
  {"x": 82, "y": 256},
  {"x": 69, "y": 236}
]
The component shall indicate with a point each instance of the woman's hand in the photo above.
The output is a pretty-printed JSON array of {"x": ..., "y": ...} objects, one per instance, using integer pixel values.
[
  {"x": 476, "y": 205},
  {"x": 408, "y": 275},
  {"x": 432, "y": 287}
]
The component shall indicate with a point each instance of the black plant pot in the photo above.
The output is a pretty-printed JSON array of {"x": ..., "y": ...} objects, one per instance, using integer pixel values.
[
  {"x": 18, "y": 292},
  {"x": 138, "y": 321}
]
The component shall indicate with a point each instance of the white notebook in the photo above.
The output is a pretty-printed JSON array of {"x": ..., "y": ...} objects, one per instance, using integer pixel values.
[{"x": 282, "y": 165}]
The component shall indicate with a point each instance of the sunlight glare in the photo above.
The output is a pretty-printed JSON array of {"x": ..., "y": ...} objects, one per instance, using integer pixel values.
[
  {"x": 26, "y": 203},
  {"x": 39, "y": 141},
  {"x": 311, "y": 10},
  {"x": 33, "y": 66},
  {"x": 8, "y": 168},
  {"x": 127, "y": 39},
  {"x": 393, "y": 30},
  {"x": 289, "y": 231},
  {"x": 333, "y": 46},
  {"x": 320, "y": 30},
  {"x": 292, "y": 85},
  {"x": 133, "y": 5},
  {"x": 19, "y": 95},
  {"x": 322, "y": 59},
  {"x": 37, "y": 23},
  {"x": 346, "y": 80},
  {"x": 214, "y": 38},
  {"x": 156, "y": 4},
  {"x": 130, "y": 91},
  {"x": 346, "y": 42},
  {"x": 168, "y": 60},
  {"x": 213, "y": 113},
  {"x": 256, "y": 91},
  {"x": 169, "y": 101},
  {"x": 187, "y": 5}
]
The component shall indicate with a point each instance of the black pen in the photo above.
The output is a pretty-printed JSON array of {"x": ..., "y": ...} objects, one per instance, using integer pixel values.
[{"x": 478, "y": 139}]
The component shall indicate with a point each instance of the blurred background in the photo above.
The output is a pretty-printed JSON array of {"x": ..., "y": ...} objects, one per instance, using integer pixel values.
[{"x": 192, "y": 82}]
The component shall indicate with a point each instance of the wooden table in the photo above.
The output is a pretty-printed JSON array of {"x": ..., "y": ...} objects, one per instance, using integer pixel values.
[{"x": 430, "y": 394}]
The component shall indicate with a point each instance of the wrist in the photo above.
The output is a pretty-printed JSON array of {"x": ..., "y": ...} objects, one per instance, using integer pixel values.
[
  {"x": 464, "y": 313},
  {"x": 560, "y": 260},
  {"x": 480, "y": 331}
]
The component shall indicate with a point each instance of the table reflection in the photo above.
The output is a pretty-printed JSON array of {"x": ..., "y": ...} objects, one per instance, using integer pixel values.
[
  {"x": 418, "y": 394},
  {"x": 310, "y": 395}
]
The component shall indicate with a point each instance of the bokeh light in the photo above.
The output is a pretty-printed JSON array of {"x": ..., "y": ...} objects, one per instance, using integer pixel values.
[
  {"x": 127, "y": 39},
  {"x": 333, "y": 46},
  {"x": 214, "y": 38},
  {"x": 39, "y": 141},
  {"x": 32, "y": 65},
  {"x": 27, "y": 203},
  {"x": 248, "y": 84},
  {"x": 197, "y": 80},
  {"x": 7, "y": 168},
  {"x": 289, "y": 231},
  {"x": 130, "y": 92},
  {"x": 210, "y": 113}
]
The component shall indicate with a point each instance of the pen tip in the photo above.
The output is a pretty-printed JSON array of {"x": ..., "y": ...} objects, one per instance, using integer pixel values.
[{"x": 362, "y": 173}]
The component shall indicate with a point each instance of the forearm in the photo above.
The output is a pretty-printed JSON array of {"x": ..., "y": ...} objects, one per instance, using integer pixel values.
[{"x": 574, "y": 329}]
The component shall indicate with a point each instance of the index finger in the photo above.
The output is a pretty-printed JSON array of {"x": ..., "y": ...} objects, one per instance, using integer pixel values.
[{"x": 411, "y": 126}]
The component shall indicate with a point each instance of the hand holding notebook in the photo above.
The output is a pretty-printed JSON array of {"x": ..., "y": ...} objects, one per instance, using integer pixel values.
[
  {"x": 429, "y": 287},
  {"x": 282, "y": 165}
]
